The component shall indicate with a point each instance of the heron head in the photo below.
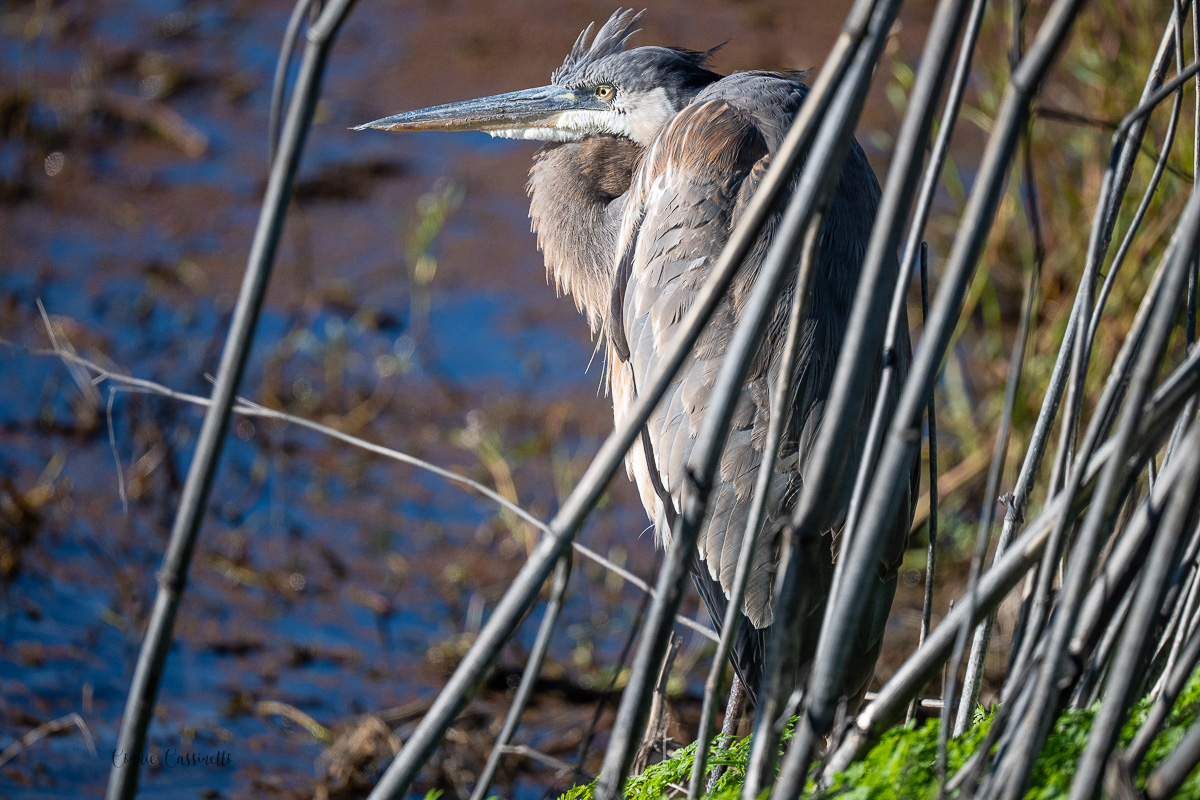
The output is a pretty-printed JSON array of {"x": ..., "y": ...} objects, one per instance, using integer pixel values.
[{"x": 601, "y": 89}]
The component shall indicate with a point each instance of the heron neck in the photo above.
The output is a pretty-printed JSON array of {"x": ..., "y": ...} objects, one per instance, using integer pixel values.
[{"x": 577, "y": 195}]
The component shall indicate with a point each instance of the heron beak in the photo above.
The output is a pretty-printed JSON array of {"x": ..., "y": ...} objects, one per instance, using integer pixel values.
[{"x": 529, "y": 113}]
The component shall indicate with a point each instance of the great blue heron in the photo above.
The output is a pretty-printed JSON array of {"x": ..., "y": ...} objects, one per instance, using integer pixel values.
[{"x": 650, "y": 159}]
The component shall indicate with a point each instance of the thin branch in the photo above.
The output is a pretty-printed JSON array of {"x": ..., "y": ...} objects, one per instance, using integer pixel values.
[
  {"x": 248, "y": 408},
  {"x": 931, "y": 552},
  {"x": 1177, "y": 678},
  {"x": 533, "y": 666},
  {"x": 283, "y": 62},
  {"x": 143, "y": 689},
  {"x": 1173, "y": 770},
  {"x": 1132, "y": 653},
  {"x": 47, "y": 729}
]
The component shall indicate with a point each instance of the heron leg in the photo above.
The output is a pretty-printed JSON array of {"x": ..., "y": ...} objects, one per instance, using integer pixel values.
[
  {"x": 733, "y": 710},
  {"x": 655, "y": 735},
  {"x": 733, "y": 716}
]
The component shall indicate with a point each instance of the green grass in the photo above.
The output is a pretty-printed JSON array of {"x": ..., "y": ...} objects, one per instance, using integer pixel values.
[
  {"x": 903, "y": 764},
  {"x": 1099, "y": 77}
]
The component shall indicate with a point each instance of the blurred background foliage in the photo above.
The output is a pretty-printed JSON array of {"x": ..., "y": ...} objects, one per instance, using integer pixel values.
[{"x": 1096, "y": 82}]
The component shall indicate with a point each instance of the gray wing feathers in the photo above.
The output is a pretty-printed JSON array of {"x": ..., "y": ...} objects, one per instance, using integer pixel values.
[
  {"x": 684, "y": 218},
  {"x": 692, "y": 185}
]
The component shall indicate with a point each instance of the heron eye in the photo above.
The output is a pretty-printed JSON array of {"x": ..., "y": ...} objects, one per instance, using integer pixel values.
[{"x": 605, "y": 92}]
